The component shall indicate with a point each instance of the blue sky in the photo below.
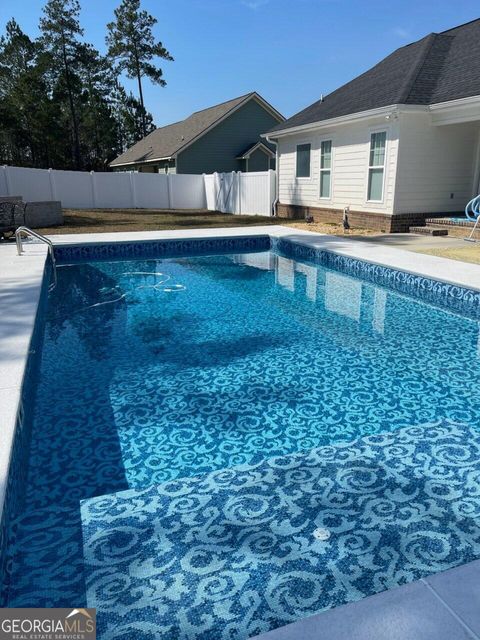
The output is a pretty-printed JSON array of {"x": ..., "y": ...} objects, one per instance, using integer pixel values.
[{"x": 290, "y": 51}]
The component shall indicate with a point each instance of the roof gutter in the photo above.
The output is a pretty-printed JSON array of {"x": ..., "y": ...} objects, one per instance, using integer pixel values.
[
  {"x": 124, "y": 164},
  {"x": 460, "y": 102},
  {"x": 277, "y": 174},
  {"x": 351, "y": 117},
  {"x": 456, "y": 111}
]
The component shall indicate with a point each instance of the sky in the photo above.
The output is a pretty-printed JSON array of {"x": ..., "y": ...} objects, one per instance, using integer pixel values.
[{"x": 289, "y": 51}]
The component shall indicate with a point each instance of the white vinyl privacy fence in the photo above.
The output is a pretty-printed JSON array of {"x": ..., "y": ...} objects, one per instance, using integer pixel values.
[
  {"x": 241, "y": 193},
  {"x": 236, "y": 192}
]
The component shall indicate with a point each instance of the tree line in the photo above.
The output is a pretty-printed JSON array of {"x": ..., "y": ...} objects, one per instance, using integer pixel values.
[{"x": 62, "y": 103}]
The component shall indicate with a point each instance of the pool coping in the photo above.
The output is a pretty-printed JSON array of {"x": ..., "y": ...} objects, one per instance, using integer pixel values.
[
  {"x": 20, "y": 288},
  {"x": 437, "y": 268}
]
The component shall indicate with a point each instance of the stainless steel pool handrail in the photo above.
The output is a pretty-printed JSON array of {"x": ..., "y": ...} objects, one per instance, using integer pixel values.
[{"x": 29, "y": 232}]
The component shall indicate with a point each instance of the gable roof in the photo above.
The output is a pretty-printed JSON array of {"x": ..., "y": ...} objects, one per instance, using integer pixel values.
[
  {"x": 165, "y": 142},
  {"x": 247, "y": 152},
  {"x": 438, "y": 68}
]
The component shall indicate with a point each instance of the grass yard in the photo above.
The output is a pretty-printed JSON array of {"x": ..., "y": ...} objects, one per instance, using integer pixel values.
[
  {"x": 469, "y": 253},
  {"x": 109, "y": 220}
]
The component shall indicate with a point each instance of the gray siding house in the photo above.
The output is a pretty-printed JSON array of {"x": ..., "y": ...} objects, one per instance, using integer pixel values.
[{"x": 225, "y": 137}]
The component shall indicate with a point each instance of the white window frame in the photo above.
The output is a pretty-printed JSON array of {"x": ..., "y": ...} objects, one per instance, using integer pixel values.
[
  {"x": 384, "y": 130},
  {"x": 300, "y": 144},
  {"x": 320, "y": 170}
]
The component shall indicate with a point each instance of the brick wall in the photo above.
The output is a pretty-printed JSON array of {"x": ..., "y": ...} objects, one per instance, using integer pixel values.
[{"x": 396, "y": 223}]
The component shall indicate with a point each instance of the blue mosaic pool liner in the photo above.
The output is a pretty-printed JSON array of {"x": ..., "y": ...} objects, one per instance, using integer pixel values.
[
  {"x": 448, "y": 296},
  {"x": 442, "y": 294},
  {"x": 233, "y": 553},
  {"x": 161, "y": 248},
  {"x": 18, "y": 468}
]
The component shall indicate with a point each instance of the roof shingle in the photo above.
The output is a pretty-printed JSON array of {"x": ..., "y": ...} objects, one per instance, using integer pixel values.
[
  {"x": 437, "y": 68},
  {"x": 165, "y": 142}
]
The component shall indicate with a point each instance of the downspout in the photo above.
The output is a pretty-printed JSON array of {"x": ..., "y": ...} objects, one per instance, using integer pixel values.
[
  {"x": 476, "y": 169},
  {"x": 277, "y": 176}
]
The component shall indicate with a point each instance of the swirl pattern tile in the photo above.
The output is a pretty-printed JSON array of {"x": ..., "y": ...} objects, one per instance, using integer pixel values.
[
  {"x": 160, "y": 248},
  {"x": 232, "y": 553}
]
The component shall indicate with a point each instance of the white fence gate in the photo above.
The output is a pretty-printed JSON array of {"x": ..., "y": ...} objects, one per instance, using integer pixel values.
[
  {"x": 241, "y": 193},
  {"x": 236, "y": 192}
]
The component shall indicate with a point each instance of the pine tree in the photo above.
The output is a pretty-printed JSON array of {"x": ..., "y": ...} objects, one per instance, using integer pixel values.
[
  {"x": 98, "y": 125},
  {"x": 61, "y": 101},
  {"x": 61, "y": 29},
  {"x": 130, "y": 119},
  {"x": 26, "y": 111},
  {"x": 132, "y": 44}
]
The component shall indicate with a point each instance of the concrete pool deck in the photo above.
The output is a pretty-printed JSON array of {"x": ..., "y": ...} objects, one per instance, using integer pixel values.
[
  {"x": 20, "y": 287},
  {"x": 413, "y": 241},
  {"x": 444, "y": 606}
]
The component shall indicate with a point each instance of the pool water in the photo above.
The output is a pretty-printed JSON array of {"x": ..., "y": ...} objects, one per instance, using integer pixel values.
[
  {"x": 459, "y": 219},
  {"x": 157, "y": 371}
]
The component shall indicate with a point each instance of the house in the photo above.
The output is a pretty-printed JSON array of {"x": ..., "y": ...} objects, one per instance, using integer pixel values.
[
  {"x": 225, "y": 137},
  {"x": 395, "y": 145}
]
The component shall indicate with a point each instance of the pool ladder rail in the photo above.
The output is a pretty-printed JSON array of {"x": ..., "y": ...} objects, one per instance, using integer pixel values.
[
  {"x": 25, "y": 231},
  {"x": 472, "y": 212}
]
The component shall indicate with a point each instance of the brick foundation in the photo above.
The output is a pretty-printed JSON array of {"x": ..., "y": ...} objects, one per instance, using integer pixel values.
[{"x": 396, "y": 223}]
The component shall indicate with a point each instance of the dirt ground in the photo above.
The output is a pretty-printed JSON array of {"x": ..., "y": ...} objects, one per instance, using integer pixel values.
[
  {"x": 108, "y": 220},
  {"x": 331, "y": 228}
]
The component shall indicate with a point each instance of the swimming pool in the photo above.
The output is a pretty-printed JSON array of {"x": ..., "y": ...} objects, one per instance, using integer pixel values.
[{"x": 198, "y": 418}]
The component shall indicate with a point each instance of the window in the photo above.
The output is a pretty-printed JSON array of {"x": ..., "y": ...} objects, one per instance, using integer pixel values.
[
  {"x": 325, "y": 168},
  {"x": 303, "y": 160},
  {"x": 376, "y": 166}
]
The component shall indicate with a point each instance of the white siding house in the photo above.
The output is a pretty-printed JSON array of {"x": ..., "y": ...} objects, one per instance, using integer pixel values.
[
  {"x": 395, "y": 145},
  {"x": 350, "y": 150},
  {"x": 437, "y": 168}
]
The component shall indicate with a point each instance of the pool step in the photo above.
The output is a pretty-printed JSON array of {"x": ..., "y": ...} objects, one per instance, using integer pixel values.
[
  {"x": 430, "y": 230},
  {"x": 238, "y": 551}
]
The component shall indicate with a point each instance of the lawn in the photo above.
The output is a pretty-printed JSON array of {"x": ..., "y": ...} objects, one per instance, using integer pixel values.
[
  {"x": 108, "y": 220},
  {"x": 469, "y": 253}
]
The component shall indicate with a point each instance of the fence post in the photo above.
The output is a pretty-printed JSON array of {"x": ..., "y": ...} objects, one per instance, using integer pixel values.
[
  {"x": 53, "y": 186},
  {"x": 239, "y": 193},
  {"x": 7, "y": 181},
  {"x": 229, "y": 204},
  {"x": 216, "y": 190},
  {"x": 205, "y": 190},
  {"x": 94, "y": 190},
  {"x": 133, "y": 189},
  {"x": 169, "y": 192}
]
